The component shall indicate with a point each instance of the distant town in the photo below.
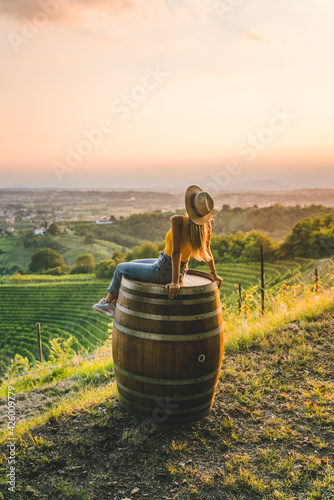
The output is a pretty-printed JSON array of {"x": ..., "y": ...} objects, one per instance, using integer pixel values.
[{"x": 35, "y": 209}]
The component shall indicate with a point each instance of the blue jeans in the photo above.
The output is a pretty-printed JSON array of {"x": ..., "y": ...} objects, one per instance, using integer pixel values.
[{"x": 153, "y": 270}]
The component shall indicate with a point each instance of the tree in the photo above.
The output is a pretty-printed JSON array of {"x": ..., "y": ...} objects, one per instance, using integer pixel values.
[
  {"x": 5, "y": 266},
  {"x": 118, "y": 257},
  {"x": 105, "y": 268},
  {"x": 310, "y": 238},
  {"x": 54, "y": 228},
  {"x": 56, "y": 271},
  {"x": 45, "y": 259},
  {"x": 84, "y": 264},
  {"x": 16, "y": 269},
  {"x": 145, "y": 251},
  {"x": 252, "y": 246},
  {"x": 329, "y": 221},
  {"x": 226, "y": 208},
  {"x": 29, "y": 240},
  {"x": 300, "y": 242},
  {"x": 220, "y": 247},
  {"x": 89, "y": 239}
]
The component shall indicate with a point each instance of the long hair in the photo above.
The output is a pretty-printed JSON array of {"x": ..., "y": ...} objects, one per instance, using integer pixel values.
[{"x": 199, "y": 237}]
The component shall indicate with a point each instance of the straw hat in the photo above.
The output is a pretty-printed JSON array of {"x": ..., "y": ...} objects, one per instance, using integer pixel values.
[{"x": 199, "y": 205}]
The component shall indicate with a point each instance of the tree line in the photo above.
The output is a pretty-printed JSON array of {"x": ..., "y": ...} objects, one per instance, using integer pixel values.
[
  {"x": 275, "y": 221},
  {"x": 310, "y": 238}
]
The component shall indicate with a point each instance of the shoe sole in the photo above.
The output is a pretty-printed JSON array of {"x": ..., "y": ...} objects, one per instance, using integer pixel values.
[{"x": 106, "y": 313}]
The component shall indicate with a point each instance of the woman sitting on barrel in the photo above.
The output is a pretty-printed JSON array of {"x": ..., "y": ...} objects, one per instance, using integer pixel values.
[{"x": 189, "y": 235}]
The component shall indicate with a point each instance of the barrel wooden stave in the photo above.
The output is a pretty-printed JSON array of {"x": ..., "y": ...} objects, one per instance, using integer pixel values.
[
  {"x": 206, "y": 315},
  {"x": 164, "y": 360},
  {"x": 168, "y": 353},
  {"x": 167, "y": 391},
  {"x": 150, "y": 395}
]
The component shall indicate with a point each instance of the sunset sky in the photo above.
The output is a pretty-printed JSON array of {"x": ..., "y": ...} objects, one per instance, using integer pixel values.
[{"x": 226, "y": 93}]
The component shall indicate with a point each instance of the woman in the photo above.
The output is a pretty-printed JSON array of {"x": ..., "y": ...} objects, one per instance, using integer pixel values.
[{"x": 189, "y": 235}]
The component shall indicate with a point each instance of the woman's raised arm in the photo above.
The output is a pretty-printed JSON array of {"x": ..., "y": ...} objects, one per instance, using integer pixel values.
[
  {"x": 176, "y": 225},
  {"x": 212, "y": 267}
]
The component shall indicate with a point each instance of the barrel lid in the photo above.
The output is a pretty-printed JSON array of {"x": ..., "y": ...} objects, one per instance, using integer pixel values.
[
  {"x": 192, "y": 280},
  {"x": 196, "y": 278}
]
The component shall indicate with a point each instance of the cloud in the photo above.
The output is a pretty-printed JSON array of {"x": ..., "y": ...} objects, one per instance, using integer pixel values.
[
  {"x": 258, "y": 38},
  {"x": 64, "y": 10}
]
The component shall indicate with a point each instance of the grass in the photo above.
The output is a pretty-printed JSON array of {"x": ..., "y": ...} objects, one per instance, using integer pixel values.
[
  {"x": 269, "y": 435},
  {"x": 82, "y": 372},
  {"x": 245, "y": 332}
]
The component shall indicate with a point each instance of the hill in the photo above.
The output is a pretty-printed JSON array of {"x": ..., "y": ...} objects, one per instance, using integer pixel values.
[
  {"x": 14, "y": 250},
  {"x": 269, "y": 435},
  {"x": 275, "y": 221}
]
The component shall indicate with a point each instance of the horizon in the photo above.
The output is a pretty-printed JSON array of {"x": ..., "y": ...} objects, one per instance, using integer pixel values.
[
  {"x": 162, "y": 189},
  {"x": 158, "y": 189},
  {"x": 264, "y": 185}
]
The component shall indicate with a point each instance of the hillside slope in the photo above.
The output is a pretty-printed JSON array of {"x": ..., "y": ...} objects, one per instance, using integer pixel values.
[
  {"x": 270, "y": 434},
  {"x": 70, "y": 246}
]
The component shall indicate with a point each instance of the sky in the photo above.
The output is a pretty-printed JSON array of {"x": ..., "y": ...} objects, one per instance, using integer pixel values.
[{"x": 224, "y": 94}]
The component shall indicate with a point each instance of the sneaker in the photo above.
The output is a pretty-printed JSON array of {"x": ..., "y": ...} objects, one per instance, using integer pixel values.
[{"x": 105, "y": 307}]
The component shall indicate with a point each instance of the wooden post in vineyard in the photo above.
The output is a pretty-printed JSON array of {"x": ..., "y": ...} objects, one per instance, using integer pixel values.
[
  {"x": 262, "y": 281},
  {"x": 39, "y": 341},
  {"x": 240, "y": 298},
  {"x": 316, "y": 280},
  {"x": 240, "y": 305}
]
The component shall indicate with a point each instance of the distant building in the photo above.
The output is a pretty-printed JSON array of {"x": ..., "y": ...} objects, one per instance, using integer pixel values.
[
  {"x": 10, "y": 219},
  {"x": 10, "y": 229},
  {"x": 39, "y": 231},
  {"x": 103, "y": 221}
]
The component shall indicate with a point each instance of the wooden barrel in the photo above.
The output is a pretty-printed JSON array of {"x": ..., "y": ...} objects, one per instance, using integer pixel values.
[{"x": 168, "y": 352}]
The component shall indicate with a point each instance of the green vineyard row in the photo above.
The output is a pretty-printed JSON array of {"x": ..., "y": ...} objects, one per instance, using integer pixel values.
[{"x": 64, "y": 307}]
